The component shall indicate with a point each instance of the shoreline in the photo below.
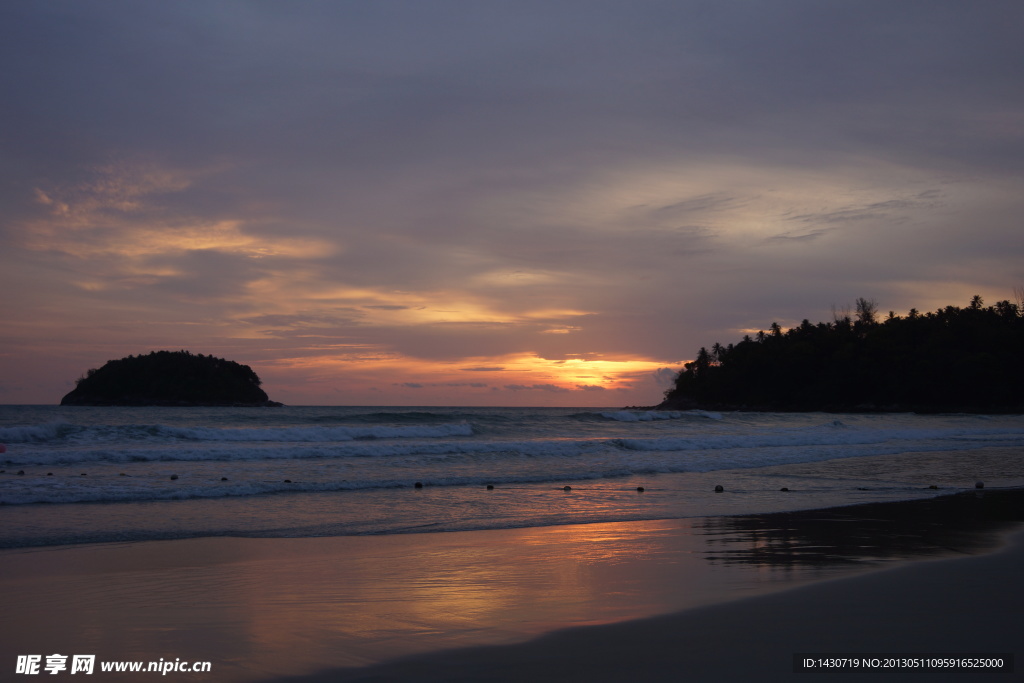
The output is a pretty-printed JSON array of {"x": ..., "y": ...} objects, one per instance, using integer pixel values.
[
  {"x": 834, "y": 408},
  {"x": 966, "y": 600},
  {"x": 250, "y": 605},
  {"x": 968, "y": 606},
  {"x": 686, "y": 495}
]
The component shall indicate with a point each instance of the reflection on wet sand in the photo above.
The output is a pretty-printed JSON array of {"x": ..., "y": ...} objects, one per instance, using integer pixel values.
[
  {"x": 969, "y": 523},
  {"x": 257, "y": 608}
]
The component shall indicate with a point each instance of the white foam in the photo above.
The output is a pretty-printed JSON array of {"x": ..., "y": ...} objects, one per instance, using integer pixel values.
[
  {"x": 835, "y": 434},
  {"x": 328, "y": 454},
  {"x": 319, "y": 434},
  {"x": 642, "y": 416},
  {"x": 710, "y": 414},
  {"x": 55, "y": 432},
  {"x": 653, "y": 415},
  {"x": 381, "y": 442},
  {"x": 34, "y": 433}
]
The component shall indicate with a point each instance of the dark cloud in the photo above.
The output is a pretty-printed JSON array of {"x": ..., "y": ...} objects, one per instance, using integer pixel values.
[
  {"x": 297, "y": 320},
  {"x": 715, "y": 201},
  {"x": 799, "y": 236}
]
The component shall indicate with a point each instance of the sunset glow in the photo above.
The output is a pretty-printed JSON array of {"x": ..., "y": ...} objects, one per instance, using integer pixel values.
[{"x": 504, "y": 206}]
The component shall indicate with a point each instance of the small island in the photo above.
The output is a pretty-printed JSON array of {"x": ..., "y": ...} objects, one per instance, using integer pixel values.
[
  {"x": 169, "y": 378},
  {"x": 953, "y": 360}
]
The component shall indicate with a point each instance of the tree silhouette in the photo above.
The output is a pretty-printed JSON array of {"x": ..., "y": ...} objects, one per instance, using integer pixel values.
[
  {"x": 955, "y": 359},
  {"x": 867, "y": 311}
]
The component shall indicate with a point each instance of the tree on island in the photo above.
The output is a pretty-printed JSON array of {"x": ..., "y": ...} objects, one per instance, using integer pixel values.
[
  {"x": 955, "y": 359},
  {"x": 169, "y": 378}
]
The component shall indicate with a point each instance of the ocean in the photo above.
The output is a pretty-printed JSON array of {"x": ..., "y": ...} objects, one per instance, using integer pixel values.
[{"x": 85, "y": 475}]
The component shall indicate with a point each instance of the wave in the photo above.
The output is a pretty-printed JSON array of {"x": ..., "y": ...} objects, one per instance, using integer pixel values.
[
  {"x": 834, "y": 433},
  {"x": 347, "y": 443},
  {"x": 36, "y": 433},
  {"x": 644, "y": 415},
  {"x": 332, "y": 451},
  {"x": 641, "y": 416},
  {"x": 566, "y": 462},
  {"x": 318, "y": 434},
  {"x": 210, "y": 488},
  {"x": 650, "y": 416},
  {"x": 415, "y": 417},
  {"x": 55, "y": 432}
]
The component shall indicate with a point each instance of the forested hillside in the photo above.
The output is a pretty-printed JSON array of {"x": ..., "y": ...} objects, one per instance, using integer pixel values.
[{"x": 953, "y": 359}]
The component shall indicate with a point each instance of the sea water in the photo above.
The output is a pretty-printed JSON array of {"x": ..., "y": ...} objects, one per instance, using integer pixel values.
[{"x": 84, "y": 474}]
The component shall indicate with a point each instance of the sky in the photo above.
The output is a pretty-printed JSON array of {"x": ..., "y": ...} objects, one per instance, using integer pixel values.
[{"x": 506, "y": 203}]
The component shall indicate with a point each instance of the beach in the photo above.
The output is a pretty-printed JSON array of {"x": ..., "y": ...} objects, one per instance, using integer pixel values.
[
  {"x": 715, "y": 598},
  {"x": 511, "y": 341},
  {"x": 963, "y": 610},
  {"x": 374, "y": 543}
]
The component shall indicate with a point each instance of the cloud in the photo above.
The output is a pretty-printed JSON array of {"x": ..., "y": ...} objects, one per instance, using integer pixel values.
[
  {"x": 666, "y": 377},
  {"x": 887, "y": 209},
  {"x": 364, "y": 195},
  {"x": 713, "y": 201},
  {"x": 796, "y": 236},
  {"x": 553, "y": 388},
  {"x": 420, "y": 385},
  {"x": 283, "y": 320}
]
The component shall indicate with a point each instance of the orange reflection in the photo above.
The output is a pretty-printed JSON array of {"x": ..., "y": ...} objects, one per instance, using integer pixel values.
[{"x": 257, "y": 608}]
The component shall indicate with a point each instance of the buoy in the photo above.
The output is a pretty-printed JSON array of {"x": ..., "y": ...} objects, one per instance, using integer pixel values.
[
  {"x": 719, "y": 488},
  {"x": 567, "y": 488},
  {"x": 640, "y": 489},
  {"x": 490, "y": 487},
  {"x": 173, "y": 477},
  {"x": 418, "y": 485},
  {"x": 979, "y": 484}
]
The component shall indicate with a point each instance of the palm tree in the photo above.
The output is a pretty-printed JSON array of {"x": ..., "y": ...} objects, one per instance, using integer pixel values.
[{"x": 867, "y": 311}]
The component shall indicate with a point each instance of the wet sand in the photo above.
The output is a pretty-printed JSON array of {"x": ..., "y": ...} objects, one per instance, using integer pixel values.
[
  {"x": 576, "y": 602},
  {"x": 932, "y": 609}
]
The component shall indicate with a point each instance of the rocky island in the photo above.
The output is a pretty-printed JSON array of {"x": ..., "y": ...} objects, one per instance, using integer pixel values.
[{"x": 169, "y": 378}]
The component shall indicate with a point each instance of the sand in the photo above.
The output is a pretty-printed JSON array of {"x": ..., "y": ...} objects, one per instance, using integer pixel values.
[
  {"x": 698, "y": 599},
  {"x": 972, "y": 605}
]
